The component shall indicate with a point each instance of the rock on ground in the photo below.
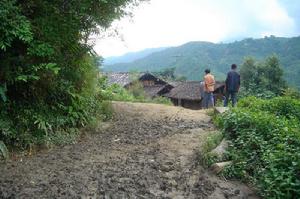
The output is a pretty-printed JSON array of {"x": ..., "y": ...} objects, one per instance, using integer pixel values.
[
  {"x": 220, "y": 150},
  {"x": 220, "y": 110}
]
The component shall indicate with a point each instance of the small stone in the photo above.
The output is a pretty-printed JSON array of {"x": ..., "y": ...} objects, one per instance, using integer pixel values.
[
  {"x": 173, "y": 183},
  {"x": 163, "y": 186},
  {"x": 218, "y": 167},
  {"x": 221, "y": 110},
  {"x": 237, "y": 192}
]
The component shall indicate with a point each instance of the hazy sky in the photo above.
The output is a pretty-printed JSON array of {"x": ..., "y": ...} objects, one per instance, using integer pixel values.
[{"x": 162, "y": 23}]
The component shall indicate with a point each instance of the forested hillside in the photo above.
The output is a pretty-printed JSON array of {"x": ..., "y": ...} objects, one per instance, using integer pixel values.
[{"x": 192, "y": 58}]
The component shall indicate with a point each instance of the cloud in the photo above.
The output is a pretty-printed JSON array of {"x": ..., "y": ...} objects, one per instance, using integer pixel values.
[
  {"x": 174, "y": 22},
  {"x": 293, "y": 9},
  {"x": 260, "y": 18}
]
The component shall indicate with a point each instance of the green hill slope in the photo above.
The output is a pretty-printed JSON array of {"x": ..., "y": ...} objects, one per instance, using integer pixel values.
[{"x": 192, "y": 58}]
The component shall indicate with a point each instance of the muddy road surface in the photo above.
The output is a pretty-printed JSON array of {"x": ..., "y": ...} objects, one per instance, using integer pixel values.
[{"x": 147, "y": 151}]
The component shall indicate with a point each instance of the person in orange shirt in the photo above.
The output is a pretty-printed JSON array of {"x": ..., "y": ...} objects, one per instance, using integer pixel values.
[{"x": 209, "y": 87}]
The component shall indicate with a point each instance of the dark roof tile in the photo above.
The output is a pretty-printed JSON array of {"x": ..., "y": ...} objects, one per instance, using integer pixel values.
[
  {"x": 186, "y": 90},
  {"x": 190, "y": 90},
  {"x": 153, "y": 91}
]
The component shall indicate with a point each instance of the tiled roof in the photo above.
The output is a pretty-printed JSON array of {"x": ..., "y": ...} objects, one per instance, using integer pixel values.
[
  {"x": 175, "y": 83},
  {"x": 186, "y": 90},
  {"x": 120, "y": 78},
  {"x": 190, "y": 90},
  {"x": 153, "y": 91},
  {"x": 124, "y": 78}
]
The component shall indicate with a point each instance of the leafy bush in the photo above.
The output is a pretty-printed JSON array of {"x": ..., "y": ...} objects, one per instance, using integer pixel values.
[
  {"x": 210, "y": 143},
  {"x": 137, "y": 90},
  {"x": 160, "y": 100},
  {"x": 265, "y": 148},
  {"x": 118, "y": 93},
  {"x": 279, "y": 106},
  {"x": 262, "y": 79},
  {"x": 49, "y": 84},
  {"x": 35, "y": 123},
  {"x": 291, "y": 92},
  {"x": 134, "y": 94},
  {"x": 257, "y": 92}
]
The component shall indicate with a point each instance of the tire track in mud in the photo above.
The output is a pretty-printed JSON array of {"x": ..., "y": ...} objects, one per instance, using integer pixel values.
[{"x": 149, "y": 151}]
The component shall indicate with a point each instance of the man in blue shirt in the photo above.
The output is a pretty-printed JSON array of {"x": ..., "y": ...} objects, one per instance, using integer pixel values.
[{"x": 232, "y": 85}]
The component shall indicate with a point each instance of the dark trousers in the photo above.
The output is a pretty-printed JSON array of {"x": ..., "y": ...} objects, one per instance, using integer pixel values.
[{"x": 233, "y": 96}]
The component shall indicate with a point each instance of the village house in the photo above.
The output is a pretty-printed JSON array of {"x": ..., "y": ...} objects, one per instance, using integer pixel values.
[
  {"x": 152, "y": 85},
  {"x": 190, "y": 94},
  {"x": 187, "y": 94}
]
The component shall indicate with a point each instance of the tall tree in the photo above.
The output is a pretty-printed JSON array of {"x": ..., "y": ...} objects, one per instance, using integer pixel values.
[
  {"x": 47, "y": 63},
  {"x": 264, "y": 76},
  {"x": 274, "y": 75},
  {"x": 45, "y": 41},
  {"x": 248, "y": 73}
]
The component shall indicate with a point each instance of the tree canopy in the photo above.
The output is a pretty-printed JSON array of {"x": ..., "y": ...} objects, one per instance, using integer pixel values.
[
  {"x": 46, "y": 60},
  {"x": 261, "y": 77}
]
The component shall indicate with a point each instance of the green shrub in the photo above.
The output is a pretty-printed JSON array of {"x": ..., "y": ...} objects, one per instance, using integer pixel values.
[
  {"x": 262, "y": 79},
  {"x": 27, "y": 124},
  {"x": 134, "y": 94},
  {"x": 160, "y": 100},
  {"x": 137, "y": 90},
  {"x": 257, "y": 92},
  {"x": 49, "y": 73},
  {"x": 291, "y": 92},
  {"x": 280, "y": 106},
  {"x": 116, "y": 92},
  {"x": 265, "y": 136},
  {"x": 211, "y": 142},
  {"x": 106, "y": 110}
]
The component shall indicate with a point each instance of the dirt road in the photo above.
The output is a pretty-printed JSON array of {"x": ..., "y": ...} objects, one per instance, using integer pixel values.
[{"x": 148, "y": 151}]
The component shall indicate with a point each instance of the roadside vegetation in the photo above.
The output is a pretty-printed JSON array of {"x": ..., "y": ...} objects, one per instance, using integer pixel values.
[
  {"x": 263, "y": 79},
  {"x": 264, "y": 132},
  {"x": 50, "y": 89},
  {"x": 48, "y": 70},
  {"x": 136, "y": 93}
]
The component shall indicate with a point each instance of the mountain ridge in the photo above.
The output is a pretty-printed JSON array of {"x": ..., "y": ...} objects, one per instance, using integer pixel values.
[
  {"x": 131, "y": 56},
  {"x": 191, "y": 59}
]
